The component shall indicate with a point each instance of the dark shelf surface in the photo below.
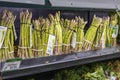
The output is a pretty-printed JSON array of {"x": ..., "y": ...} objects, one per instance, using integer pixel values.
[{"x": 49, "y": 63}]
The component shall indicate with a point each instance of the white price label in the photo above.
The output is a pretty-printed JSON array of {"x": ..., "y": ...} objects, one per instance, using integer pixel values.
[
  {"x": 103, "y": 41},
  {"x": 3, "y": 31},
  {"x": 30, "y": 35},
  {"x": 112, "y": 78},
  {"x": 11, "y": 66},
  {"x": 15, "y": 34},
  {"x": 73, "y": 43},
  {"x": 50, "y": 46},
  {"x": 115, "y": 32}
]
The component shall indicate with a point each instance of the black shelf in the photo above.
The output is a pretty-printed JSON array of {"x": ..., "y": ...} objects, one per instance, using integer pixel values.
[{"x": 45, "y": 64}]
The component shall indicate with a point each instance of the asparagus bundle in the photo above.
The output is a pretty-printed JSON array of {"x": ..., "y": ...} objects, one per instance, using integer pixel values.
[
  {"x": 101, "y": 36},
  {"x": 91, "y": 33},
  {"x": 69, "y": 29},
  {"x": 7, "y": 20},
  {"x": 25, "y": 50},
  {"x": 44, "y": 33},
  {"x": 80, "y": 33},
  {"x": 37, "y": 39},
  {"x": 112, "y": 30},
  {"x": 55, "y": 30}
]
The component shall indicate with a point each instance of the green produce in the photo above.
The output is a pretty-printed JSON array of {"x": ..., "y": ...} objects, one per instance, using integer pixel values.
[
  {"x": 118, "y": 37},
  {"x": 44, "y": 34},
  {"x": 95, "y": 71},
  {"x": 73, "y": 34},
  {"x": 58, "y": 34},
  {"x": 43, "y": 28},
  {"x": 7, "y": 20},
  {"x": 112, "y": 31},
  {"x": 55, "y": 30},
  {"x": 98, "y": 74},
  {"x": 68, "y": 31},
  {"x": 101, "y": 35},
  {"x": 25, "y": 44},
  {"x": 80, "y": 34},
  {"x": 46, "y": 29},
  {"x": 37, "y": 39},
  {"x": 91, "y": 33}
]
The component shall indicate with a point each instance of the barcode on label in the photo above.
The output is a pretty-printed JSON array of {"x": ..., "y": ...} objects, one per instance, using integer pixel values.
[
  {"x": 11, "y": 66},
  {"x": 73, "y": 43},
  {"x": 3, "y": 31},
  {"x": 112, "y": 78},
  {"x": 51, "y": 41},
  {"x": 30, "y": 36},
  {"x": 15, "y": 34}
]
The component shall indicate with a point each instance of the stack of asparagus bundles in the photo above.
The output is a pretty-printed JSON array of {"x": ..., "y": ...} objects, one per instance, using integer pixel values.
[
  {"x": 101, "y": 35},
  {"x": 73, "y": 34},
  {"x": 6, "y": 35},
  {"x": 25, "y": 41},
  {"x": 47, "y": 36},
  {"x": 91, "y": 33}
]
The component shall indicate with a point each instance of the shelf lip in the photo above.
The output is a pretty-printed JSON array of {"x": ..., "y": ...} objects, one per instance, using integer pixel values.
[
  {"x": 36, "y": 2},
  {"x": 44, "y": 64},
  {"x": 95, "y": 4}
]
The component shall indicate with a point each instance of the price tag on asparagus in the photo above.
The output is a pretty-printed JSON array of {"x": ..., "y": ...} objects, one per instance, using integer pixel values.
[
  {"x": 15, "y": 34},
  {"x": 30, "y": 35},
  {"x": 3, "y": 31},
  {"x": 73, "y": 43},
  {"x": 115, "y": 32},
  {"x": 11, "y": 64},
  {"x": 113, "y": 78},
  {"x": 51, "y": 42}
]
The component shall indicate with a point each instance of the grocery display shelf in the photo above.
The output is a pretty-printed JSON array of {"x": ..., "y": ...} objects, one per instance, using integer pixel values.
[
  {"x": 49, "y": 63},
  {"x": 37, "y": 2},
  {"x": 64, "y": 4},
  {"x": 87, "y": 4}
]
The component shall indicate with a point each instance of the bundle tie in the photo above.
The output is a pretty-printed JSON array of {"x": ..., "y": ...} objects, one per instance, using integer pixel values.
[
  {"x": 66, "y": 44},
  {"x": 23, "y": 47},
  {"x": 25, "y": 23},
  {"x": 88, "y": 41},
  {"x": 37, "y": 50},
  {"x": 11, "y": 52},
  {"x": 5, "y": 47},
  {"x": 79, "y": 42}
]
